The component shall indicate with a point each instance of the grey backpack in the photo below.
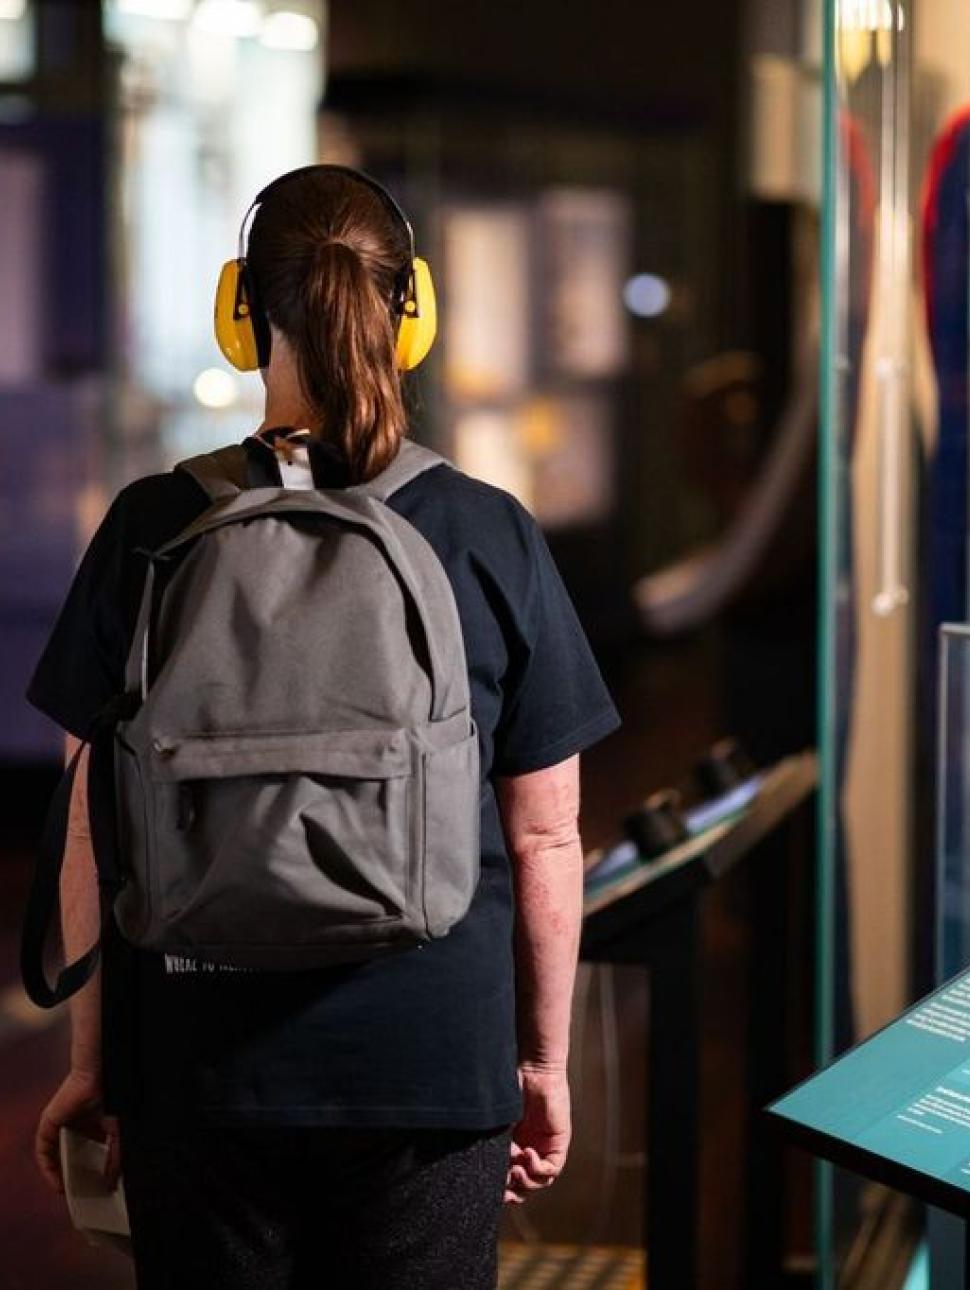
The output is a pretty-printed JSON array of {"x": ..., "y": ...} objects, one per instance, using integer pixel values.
[{"x": 297, "y": 782}]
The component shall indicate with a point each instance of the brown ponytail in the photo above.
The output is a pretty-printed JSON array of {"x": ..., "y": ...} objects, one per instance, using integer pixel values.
[{"x": 326, "y": 255}]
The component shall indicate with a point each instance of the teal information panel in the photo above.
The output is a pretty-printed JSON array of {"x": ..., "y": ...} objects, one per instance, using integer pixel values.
[{"x": 902, "y": 1097}]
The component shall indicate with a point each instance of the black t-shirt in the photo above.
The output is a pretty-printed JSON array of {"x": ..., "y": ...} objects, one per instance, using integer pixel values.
[{"x": 416, "y": 1039}]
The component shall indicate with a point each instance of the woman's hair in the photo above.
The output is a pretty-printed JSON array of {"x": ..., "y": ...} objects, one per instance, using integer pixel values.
[{"x": 326, "y": 256}]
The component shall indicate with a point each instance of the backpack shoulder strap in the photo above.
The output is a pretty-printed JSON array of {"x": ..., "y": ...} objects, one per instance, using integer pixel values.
[
  {"x": 220, "y": 473},
  {"x": 412, "y": 459}
]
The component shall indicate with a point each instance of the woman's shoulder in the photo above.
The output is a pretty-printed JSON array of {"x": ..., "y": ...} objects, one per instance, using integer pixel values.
[
  {"x": 465, "y": 508},
  {"x": 160, "y": 485},
  {"x": 152, "y": 508}
]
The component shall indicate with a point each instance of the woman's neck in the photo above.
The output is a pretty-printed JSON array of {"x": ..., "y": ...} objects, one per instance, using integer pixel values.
[{"x": 278, "y": 414}]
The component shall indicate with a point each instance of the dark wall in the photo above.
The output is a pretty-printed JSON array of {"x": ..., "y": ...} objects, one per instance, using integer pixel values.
[
  {"x": 655, "y": 63},
  {"x": 623, "y": 49}
]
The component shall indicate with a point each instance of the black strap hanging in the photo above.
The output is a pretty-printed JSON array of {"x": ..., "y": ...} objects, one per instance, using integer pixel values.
[{"x": 44, "y": 896}]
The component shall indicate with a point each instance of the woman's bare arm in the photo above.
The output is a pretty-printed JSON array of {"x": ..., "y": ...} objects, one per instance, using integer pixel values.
[
  {"x": 539, "y": 814},
  {"x": 540, "y": 818},
  {"x": 78, "y": 1101}
]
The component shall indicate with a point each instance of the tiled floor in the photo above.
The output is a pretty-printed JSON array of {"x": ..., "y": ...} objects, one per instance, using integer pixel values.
[{"x": 570, "y": 1267}]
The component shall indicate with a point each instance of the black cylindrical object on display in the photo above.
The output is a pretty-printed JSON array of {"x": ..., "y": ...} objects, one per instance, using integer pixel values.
[{"x": 657, "y": 825}]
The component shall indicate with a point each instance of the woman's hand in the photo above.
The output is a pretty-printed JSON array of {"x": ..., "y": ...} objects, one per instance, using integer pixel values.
[
  {"x": 76, "y": 1103},
  {"x": 540, "y": 1140}
]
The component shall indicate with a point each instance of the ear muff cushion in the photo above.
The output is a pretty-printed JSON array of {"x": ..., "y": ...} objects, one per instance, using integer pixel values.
[
  {"x": 416, "y": 332},
  {"x": 237, "y": 337},
  {"x": 234, "y": 336}
]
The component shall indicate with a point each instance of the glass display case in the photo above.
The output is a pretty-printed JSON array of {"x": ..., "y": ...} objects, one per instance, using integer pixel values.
[
  {"x": 893, "y": 432},
  {"x": 953, "y": 802},
  {"x": 946, "y": 1237}
]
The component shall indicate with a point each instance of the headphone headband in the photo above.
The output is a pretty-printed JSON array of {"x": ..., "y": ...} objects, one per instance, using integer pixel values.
[{"x": 390, "y": 202}]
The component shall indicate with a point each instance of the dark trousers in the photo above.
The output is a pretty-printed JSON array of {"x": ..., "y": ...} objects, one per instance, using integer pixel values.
[{"x": 294, "y": 1208}]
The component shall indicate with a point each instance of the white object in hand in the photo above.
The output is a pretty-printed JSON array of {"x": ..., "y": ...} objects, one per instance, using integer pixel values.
[{"x": 97, "y": 1211}]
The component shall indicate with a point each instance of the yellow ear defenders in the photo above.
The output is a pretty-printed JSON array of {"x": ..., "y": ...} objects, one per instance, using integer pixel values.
[{"x": 242, "y": 329}]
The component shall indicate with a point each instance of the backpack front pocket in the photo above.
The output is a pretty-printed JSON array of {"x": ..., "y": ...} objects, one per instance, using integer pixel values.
[{"x": 281, "y": 849}]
